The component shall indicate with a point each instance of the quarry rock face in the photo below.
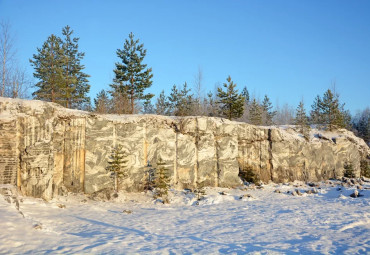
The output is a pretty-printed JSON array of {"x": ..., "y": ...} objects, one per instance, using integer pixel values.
[{"x": 47, "y": 150}]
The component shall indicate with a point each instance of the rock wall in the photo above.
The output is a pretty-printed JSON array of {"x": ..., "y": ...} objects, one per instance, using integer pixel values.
[{"x": 47, "y": 150}]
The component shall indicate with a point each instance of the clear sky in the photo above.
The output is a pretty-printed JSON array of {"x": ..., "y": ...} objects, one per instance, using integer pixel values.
[{"x": 286, "y": 49}]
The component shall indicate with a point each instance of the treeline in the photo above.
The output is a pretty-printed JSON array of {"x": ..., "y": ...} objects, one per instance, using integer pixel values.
[{"x": 61, "y": 79}]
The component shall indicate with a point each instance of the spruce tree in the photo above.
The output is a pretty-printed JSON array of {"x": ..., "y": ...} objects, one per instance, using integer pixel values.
[
  {"x": 181, "y": 101},
  {"x": 162, "y": 105},
  {"x": 132, "y": 77},
  {"x": 60, "y": 72},
  {"x": 76, "y": 85},
  {"x": 301, "y": 120},
  {"x": 49, "y": 66},
  {"x": 331, "y": 110},
  {"x": 162, "y": 182},
  {"x": 231, "y": 103},
  {"x": 245, "y": 94},
  {"x": 117, "y": 165},
  {"x": 102, "y": 103},
  {"x": 315, "y": 114},
  {"x": 255, "y": 113},
  {"x": 268, "y": 113}
]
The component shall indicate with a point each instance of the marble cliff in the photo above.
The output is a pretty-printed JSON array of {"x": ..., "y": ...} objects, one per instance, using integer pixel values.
[{"x": 48, "y": 150}]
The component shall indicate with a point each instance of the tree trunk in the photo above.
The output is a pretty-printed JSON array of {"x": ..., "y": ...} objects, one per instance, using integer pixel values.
[{"x": 116, "y": 183}]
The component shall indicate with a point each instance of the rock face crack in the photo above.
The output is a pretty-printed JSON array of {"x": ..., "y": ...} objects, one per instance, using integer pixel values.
[{"x": 271, "y": 166}]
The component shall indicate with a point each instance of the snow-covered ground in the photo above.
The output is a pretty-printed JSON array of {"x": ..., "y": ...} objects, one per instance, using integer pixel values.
[{"x": 232, "y": 221}]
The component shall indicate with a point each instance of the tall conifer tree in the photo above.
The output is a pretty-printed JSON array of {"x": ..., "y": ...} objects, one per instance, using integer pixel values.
[
  {"x": 102, "y": 102},
  {"x": 76, "y": 84},
  {"x": 301, "y": 120},
  {"x": 132, "y": 77},
  {"x": 255, "y": 113},
  {"x": 48, "y": 64},
  {"x": 267, "y": 111},
  {"x": 60, "y": 72},
  {"x": 231, "y": 103},
  {"x": 162, "y": 105}
]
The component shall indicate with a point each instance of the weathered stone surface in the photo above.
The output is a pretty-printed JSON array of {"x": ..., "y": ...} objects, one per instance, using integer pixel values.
[{"x": 47, "y": 150}]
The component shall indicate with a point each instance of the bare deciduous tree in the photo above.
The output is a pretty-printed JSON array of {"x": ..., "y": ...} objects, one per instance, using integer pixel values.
[
  {"x": 14, "y": 82},
  {"x": 199, "y": 106}
]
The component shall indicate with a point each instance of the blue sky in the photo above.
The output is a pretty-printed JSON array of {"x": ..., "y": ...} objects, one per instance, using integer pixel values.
[{"x": 288, "y": 50}]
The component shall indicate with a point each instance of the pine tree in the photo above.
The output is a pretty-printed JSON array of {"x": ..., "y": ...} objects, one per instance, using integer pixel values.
[
  {"x": 117, "y": 165},
  {"x": 162, "y": 105},
  {"x": 48, "y": 64},
  {"x": 182, "y": 101},
  {"x": 60, "y": 72},
  {"x": 255, "y": 113},
  {"x": 268, "y": 113},
  {"x": 132, "y": 77},
  {"x": 102, "y": 103},
  {"x": 315, "y": 114},
  {"x": 230, "y": 102},
  {"x": 331, "y": 110},
  {"x": 162, "y": 182},
  {"x": 76, "y": 85},
  {"x": 301, "y": 120}
]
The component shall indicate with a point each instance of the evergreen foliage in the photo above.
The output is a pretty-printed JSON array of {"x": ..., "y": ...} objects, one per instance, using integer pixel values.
[
  {"x": 162, "y": 106},
  {"x": 148, "y": 107},
  {"x": 76, "y": 85},
  {"x": 255, "y": 113},
  {"x": 149, "y": 181},
  {"x": 268, "y": 113},
  {"x": 348, "y": 170},
  {"x": 231, "y": 103},
  {"x": 102, "y": 103},
  {"x": 132, "y": 77},
  {"x": 48, "y": 65},
  {"x": 245, "y": 94},
  {"x": 365, "y": 168},
  {"x": 247, "y": 174},
  {"x": 329, "y": 111},
  {"x": 211, "y": 108},
  {"x": 117, "y": 165},
  {"x": 60, "y": 73},
  {"x": 315, "y": 114},
  {"x": 301, "y": 120},
  {"x": 181, "y": 101},
  {"x": 200, "y": 191},
  {"x": 162, "y": 182}
]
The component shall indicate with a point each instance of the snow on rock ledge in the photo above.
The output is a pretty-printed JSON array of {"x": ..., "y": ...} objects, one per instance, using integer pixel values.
[{"x": 48, "y": 150}]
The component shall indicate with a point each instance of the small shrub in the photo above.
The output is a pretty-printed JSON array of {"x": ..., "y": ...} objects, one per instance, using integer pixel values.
[
  {"x": 365, "y": 168},
  {"x": 117, "y": 165},
  {"x": 149, "y": 178},
  {"x": 162, "y": 182},
  {"x": 348, "y": 170},
  {"x": 247, "y": 174},
  {"x": 199, "y": 191}
]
